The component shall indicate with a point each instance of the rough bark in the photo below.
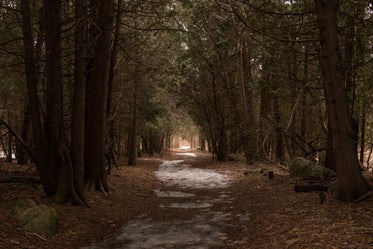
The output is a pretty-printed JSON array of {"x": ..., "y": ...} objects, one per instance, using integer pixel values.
[
  {"x": 60, "y": 172},
  {"x": 22, "y": 155},
  {"x": 31, "y": 82},
  {"x": 97, "y": 98},
  {"x": 78, "y": 117},
  {"x": 132, "y": 153},
  {"x": 362, "y": 133},
  {"x": 351, "y": 184},
  {"x": 110, "y": 138},
  {"x": 248, "y": 138}
]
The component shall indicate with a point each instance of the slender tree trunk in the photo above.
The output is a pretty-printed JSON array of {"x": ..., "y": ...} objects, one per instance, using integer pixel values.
[
  {"x": 362, "y": 130},
  {"x": 248, "y": 137},
  {"x": 351, "y": 184},
  {"x": 10, "y": 139},
  {"x": 97, "y": 99},
  {"x": 303, "y": 127},
  {"x": 294, "y": 102},
  {"x": 78, "y": 111},
  {"x": 264, "y": 109},
  {"x": 133, "y": 138},
  {"x": 279, "y": 138},
  {"x": 109, "y": 107},
  {"x": 22, "y": 155}
]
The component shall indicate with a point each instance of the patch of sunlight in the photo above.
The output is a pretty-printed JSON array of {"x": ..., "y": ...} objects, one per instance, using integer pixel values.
[
  {"x": 185, "y": 176},
  {"x": 186, "y": 154}
]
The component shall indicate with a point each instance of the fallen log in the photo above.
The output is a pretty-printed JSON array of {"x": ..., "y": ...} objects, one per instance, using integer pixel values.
[
  {"x": 18, "y": 179},
  {"x": 310, "y": 188},
  {"x": 364, "y": 197}
]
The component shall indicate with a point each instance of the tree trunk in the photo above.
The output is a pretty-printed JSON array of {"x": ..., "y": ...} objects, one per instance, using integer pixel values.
[
  {"x": 265, "y": 105},
  {"x": 109, "y": 106},
  {"x": 22, "y": 155},
  {"x": 31, "y": 81},
  {"x": 249, "y": 141},
  {"x": 60, "y": 169},
  {"x": 133, "y": 137},
  {"x": 9, "y": 157},
  {"x": 351, "y": 184},
  {"x": 362, "y": 130},
  {"x": 279, "y": 139},
  {"x": 77, "y": 122},
  {"x": 303, "y": 126},
  {"x": 293, "y": 71},
  {"x": 97, "y": 97}
]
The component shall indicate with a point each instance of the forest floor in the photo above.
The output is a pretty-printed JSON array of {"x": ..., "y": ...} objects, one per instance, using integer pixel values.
[{"x": 230, "y": 205}]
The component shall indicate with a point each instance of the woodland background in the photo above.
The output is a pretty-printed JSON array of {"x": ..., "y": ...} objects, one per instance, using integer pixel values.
[{"x": 85, "y": 83}]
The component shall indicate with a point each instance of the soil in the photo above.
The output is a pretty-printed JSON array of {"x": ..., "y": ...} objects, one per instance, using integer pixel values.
[{"x": 254, "y": 211}]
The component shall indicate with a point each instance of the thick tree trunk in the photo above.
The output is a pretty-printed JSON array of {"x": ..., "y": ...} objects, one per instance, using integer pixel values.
[
  {"x": 97, "y": 97},
  {"x": 78, "y": 111},
  {"x": 351, "y": 184},
  {"x": 31, "y": 81},
  {"x": 53, "y": 125},
  {"x": 60, "y": 169}
]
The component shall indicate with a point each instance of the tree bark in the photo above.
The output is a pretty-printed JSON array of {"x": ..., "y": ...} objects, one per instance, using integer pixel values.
[
  {"x": 31, "y": 82},
  {"x": 78, "y": 117},
  {"x": 249, "y": 141},
  {"x": 362, "y": 133},
  {"x": 351, "y": 184},
  {"x": 110, "y": 138},
  {"x": 303, "y": 127},
  {"x": 22, "y": 155},
  {"x": 57, "y": 158},
  {"x": 97, "y": 98},
  {"x": 132, "y": 153},
  {"x": 9, "y": 153}
]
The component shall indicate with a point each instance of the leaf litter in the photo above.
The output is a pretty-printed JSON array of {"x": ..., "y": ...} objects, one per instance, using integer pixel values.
[{"x": 250, "y": 212}]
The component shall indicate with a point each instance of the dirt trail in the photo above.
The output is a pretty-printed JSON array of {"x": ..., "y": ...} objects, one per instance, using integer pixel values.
[
  {"x": 198, "y": 205},
  {"x": 190, "y": 201},
  {"x": 230, "y": 205}
]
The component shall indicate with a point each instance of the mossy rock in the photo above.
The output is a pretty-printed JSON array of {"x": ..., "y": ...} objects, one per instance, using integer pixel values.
[
  {"x": 39, "y": 219},
  {"x": 306, "y": 168},
  {"x": 333, "y": 188},
  {"x": 20, "y": 206},
  {"x": 236, "y": 157}
]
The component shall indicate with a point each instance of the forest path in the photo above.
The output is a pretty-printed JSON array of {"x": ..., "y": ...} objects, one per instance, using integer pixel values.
[
  {"x": 194, "y": 212},
  {"x": 190, "y": 201}
]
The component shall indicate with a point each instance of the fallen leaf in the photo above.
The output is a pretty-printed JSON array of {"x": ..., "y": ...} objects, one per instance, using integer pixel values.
[{"x": 15, "y": 242}]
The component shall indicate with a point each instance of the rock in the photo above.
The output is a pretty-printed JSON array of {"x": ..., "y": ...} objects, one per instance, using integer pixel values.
[
  {"x": 39, "y": 219},
  {"x": 20, "y": 206},
  {"x": 236, "y": 157},
  {"x": 333, "y": 188},
  {"x": 306, "y": 168}
]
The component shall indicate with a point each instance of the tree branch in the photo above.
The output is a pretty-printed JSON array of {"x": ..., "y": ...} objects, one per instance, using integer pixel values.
[{"x": 19, "y": 138}]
